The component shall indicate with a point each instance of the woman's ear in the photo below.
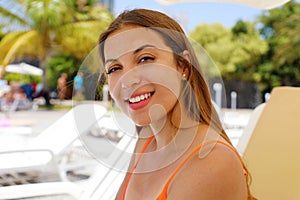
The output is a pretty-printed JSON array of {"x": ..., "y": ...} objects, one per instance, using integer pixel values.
[
  {"x": 186, "y": 55},
  {"x": 186, "y": 70}
]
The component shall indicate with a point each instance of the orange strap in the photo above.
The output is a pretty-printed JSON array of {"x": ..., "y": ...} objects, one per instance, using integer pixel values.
[
  {"x": 134, "y": 167},
  {"x": 163, "y": 194}
]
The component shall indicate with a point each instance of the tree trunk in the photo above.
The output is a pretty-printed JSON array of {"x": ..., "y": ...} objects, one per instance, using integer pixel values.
[{"x": 2, "y": 72}]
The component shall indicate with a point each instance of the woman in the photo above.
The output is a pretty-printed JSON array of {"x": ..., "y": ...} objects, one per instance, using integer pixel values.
[{"x": 182, "y": 151}]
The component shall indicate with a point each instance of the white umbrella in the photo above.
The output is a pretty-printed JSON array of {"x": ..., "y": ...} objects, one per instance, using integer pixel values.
[
  {"x": 260, "y": 4},
  {"x": 23, "y": 68}
]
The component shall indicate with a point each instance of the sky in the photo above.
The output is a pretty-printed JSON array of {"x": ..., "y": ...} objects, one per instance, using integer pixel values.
[{"x": 191, "y": 14}]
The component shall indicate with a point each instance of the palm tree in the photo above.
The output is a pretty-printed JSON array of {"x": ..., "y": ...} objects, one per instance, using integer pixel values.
[{"x": 47, "y": 27}]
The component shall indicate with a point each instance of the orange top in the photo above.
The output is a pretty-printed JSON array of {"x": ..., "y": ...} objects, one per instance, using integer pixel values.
[{"x": 163, "y": 194}]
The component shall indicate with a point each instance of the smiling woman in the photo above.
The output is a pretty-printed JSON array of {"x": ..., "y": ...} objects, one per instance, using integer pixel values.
[
  {"x": 136, "y": 73},
  {"x": 155, "y": 78}
]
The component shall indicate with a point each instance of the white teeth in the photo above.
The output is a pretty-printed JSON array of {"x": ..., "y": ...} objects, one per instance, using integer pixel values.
[{"x": 139, "y": 98}]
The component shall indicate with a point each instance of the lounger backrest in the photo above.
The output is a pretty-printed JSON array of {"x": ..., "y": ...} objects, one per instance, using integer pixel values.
[
  {"x": 62, "y": 133},
  {"x": 272, "y": 153}
]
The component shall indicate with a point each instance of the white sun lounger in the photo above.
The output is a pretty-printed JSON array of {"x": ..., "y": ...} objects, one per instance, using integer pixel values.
[
  {"x": 103, "y": 184},
  {"x": 46, "y": 149}
]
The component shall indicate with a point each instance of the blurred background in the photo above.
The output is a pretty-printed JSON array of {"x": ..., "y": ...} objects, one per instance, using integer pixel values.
[
  {"x": 254, "y": 50},
  {"x": 44, "y": 45}
]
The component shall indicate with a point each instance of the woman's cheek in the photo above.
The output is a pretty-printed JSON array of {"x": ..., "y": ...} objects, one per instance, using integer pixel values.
[
  {"x": 112, "y": 88},
  {"x": 115, "y": 92}
]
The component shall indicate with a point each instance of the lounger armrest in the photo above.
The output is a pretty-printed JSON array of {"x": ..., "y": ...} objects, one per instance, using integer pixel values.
[
  {"x": 26, "y": 158},
  {"x": 40, "y": 189}
]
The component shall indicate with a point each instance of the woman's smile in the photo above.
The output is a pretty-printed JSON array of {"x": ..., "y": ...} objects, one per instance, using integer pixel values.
[{"x": 139, "y": 101}]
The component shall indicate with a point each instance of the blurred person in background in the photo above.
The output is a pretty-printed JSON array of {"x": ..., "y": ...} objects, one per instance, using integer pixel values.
[{"x": 62, "y": 86}]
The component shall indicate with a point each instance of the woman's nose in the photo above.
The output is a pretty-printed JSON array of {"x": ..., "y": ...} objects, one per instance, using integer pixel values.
[{"x": 130, "y": 79}]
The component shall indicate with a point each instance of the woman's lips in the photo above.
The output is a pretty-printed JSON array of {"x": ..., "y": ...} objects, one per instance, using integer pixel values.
[{"x": 140, "y": 101}]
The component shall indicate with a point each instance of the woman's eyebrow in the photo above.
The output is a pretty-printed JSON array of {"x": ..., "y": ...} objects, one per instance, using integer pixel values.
[
  {"x": 142, "y": 47},
  {"x": 110, "y": 60},
  {"x": 134, "y": 52}
]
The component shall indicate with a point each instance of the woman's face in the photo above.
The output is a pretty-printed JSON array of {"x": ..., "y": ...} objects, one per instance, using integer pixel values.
[{"x": 143, "y": 77}]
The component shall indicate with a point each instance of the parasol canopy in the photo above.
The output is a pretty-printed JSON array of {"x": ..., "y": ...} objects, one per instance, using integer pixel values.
[
  {"x": 259, "y": 4},
  {"x": 23, "y": 68}
]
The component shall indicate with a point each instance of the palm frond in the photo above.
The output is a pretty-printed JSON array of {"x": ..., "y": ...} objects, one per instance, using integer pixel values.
[
  {"x": 10, "y": 16},
  {"x": 24, "y": 43}
]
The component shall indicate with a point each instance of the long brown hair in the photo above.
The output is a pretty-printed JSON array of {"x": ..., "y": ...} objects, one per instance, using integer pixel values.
[{"x": 197, "y": 98}]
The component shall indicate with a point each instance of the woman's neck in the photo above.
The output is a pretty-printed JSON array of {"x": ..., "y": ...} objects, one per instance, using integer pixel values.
[
  {"x": 165, "y": 129},
  {"x": 169, "y": 144},
  {"x": 164, "y": 132}
]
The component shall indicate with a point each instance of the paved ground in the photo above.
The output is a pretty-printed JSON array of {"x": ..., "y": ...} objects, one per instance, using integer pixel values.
[
  {"x": 35, "y": 121},
  {"x": 30, "y": 120}
]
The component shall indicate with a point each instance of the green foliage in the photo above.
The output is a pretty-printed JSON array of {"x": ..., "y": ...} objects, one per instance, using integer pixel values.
[
  {"x": 58, "y": 65},
  {"x": 53, "y": 27},
  {"x": 99, "y": 88},
  {"x": 8, "y": 16},
  {"x": 79, "y": 39},
  {"x": 22, "y": 78},
  {"x": 281, "y": 27},
  {"x": 287, "y": 50},
  {"x": 270, "y": 18},
  {"x": 16, "y": 45},
  {"x": 236, "y": 52},
  {"x": 210, "y": 37},
  {"x": 78, "y": 97},
  {"x": 241, "y": 27},
  {"x": 269, "y": 55},
  {"x": 46, "y": 14},
  {"x": 206, "y": 34}
]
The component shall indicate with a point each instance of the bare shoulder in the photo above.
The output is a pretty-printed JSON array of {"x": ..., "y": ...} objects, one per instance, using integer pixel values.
[{"x": 218, "y": 175}]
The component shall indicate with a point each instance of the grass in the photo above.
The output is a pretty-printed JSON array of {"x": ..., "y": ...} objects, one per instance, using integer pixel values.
[{"x": 55, "y": 107}]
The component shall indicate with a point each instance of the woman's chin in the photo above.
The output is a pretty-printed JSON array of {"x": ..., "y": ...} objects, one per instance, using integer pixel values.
[{"x": 141, "y": 122}]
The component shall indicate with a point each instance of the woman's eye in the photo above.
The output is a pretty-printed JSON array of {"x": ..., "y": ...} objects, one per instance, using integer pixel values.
[
  {"x": 113, "y": 69},
  {"x": 146, "y": 58}
]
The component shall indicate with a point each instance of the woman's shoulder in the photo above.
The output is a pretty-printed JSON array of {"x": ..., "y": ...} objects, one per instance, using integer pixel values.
[{"x": 214, "y": 171}]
